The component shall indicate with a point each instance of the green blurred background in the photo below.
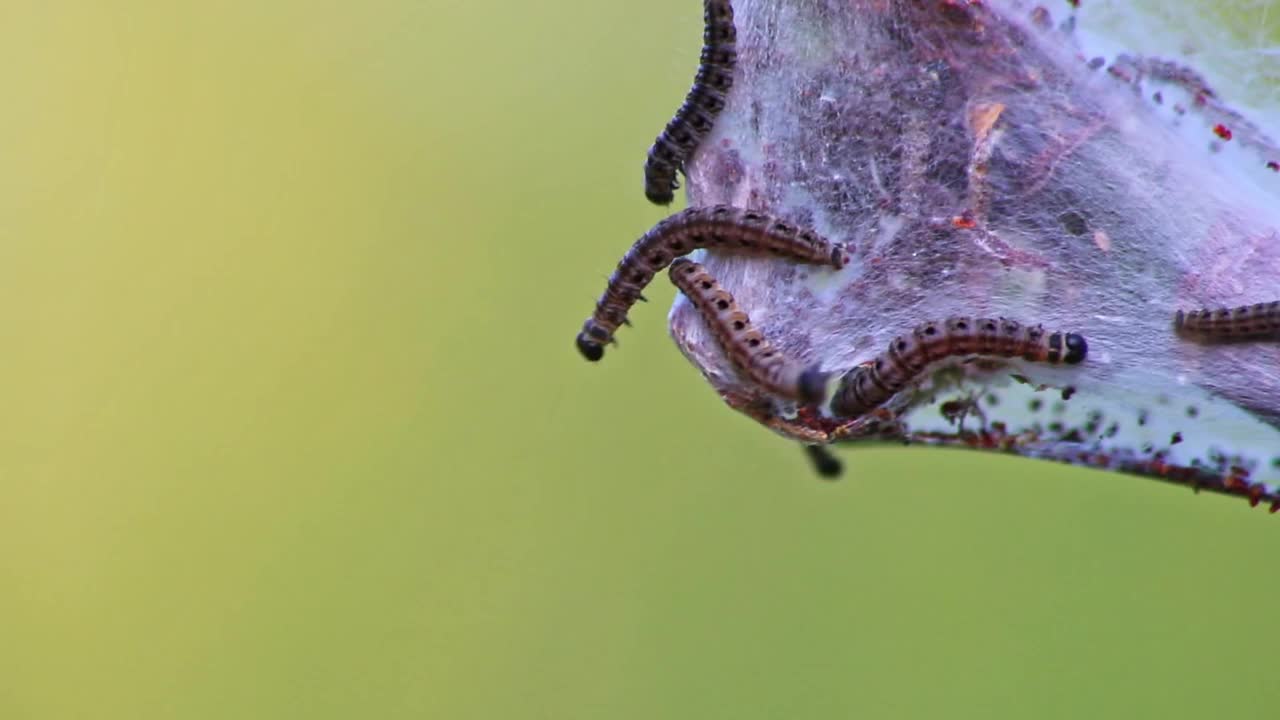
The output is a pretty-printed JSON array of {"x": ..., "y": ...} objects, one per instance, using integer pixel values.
[{"x": 293, "y": 426}]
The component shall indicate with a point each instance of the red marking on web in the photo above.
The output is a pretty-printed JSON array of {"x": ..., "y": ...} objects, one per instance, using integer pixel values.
[
  {"x": 1222, "y": 131},
  {"x": 1119, "y": 73},
  {"x": 812, "y": 418},
  {"x": 1255, "y": 495}
]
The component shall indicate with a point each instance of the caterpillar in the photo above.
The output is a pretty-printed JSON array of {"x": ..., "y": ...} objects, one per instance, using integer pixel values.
[
  {"x": 1247, "y": 322},
  {"x": 693, "y": 121},
  {"x": 824, "y": 461},
  {"x": 744, "y": 344},
  {"x": 717, "y": 226},
  {"x": 869, "y": 385}
]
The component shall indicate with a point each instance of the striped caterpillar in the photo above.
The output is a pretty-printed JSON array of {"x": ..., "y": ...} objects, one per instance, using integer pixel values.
[
  {"x": 694, "y": 119},
  {"x": 746, "y": 347},
  {"x": 718, "y": 226},
  {"x": 868, "y": 386},
  {"x": 1247, "y": 322}
]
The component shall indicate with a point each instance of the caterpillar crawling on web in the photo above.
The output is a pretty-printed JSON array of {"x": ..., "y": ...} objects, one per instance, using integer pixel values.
[
  {"x": 718, "y": 227},
  {"x": 868, "y": 386},
  {"x": 1246, "y": 322},
  {"x": 746, "y": 346}
]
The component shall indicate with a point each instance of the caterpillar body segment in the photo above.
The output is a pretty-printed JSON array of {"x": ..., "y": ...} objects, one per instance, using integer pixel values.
[{"x": 1247, "y": 322}]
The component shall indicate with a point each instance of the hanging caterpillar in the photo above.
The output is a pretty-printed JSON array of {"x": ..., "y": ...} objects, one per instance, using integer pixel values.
[
  {"x": 825, "y": 463},
  {"x": 1247, "y": 322},
  {"x": 720, "y": 227},
  {"x": 695, "y": 118},
  {"x": 868, "y": 386},
  {"x": 744, "y": 344}
]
